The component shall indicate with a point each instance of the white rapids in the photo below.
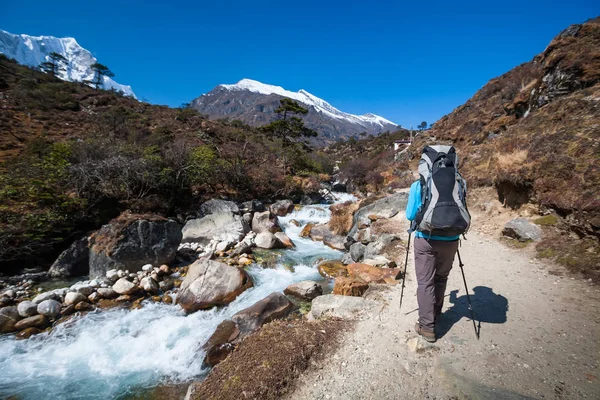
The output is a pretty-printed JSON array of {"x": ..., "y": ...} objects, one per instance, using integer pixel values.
[{"x": 117, "y": 353}]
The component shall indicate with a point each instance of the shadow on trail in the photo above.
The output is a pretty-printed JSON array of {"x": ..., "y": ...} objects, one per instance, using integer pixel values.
[{"x": 489, "y": 307}]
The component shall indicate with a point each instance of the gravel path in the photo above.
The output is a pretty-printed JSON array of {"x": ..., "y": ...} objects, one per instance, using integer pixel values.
[{"x": 540, "y": 337}]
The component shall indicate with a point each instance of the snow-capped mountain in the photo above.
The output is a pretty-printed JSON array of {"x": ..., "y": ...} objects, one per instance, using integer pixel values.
[
  {"x": 254, "y": 103},
  {"x": 33, "y": 50}
]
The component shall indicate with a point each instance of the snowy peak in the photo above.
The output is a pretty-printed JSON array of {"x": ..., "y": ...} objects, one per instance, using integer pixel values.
[
  {"x": 34, "y": 50},
  {"x": 309, "y": 99}
]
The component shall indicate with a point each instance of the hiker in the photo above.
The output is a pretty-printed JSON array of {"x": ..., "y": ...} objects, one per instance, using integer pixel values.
[{"x": 437, "y": 208}]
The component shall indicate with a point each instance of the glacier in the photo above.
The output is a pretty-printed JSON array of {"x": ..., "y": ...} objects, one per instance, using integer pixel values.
[
  {"x": 33, "y": 50},
  {"x": 308, "y": 99}
]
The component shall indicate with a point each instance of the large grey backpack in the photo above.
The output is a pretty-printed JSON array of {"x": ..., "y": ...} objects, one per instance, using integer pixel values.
[{"x": 443, "y": 210}]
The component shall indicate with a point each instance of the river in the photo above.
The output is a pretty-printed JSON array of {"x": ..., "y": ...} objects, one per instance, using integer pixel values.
[{"x": 116, "y": 353}]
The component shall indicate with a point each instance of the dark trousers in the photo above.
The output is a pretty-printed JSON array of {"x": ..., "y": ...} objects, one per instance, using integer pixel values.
[{"x": 433, "y": 262}]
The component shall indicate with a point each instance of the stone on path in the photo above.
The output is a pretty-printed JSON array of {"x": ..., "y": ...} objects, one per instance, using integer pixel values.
[
  {"x": 522, "y": 230},
  {"x": 345, "y": 307},
  {"x": 305, "y": 290}
]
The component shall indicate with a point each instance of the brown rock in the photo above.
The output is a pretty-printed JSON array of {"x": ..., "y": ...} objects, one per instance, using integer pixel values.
[
  {"x": 164, "y": 269},
  {"x": 137, "y": 304},
  {"x": 373, "y": 217},
  {"x": 167, "y": 299},
  {"x": 294, "y": 222},
  {"x": 156, "y": 299},
  {"x": 124, "y": 298},
  {"x": 230, "y": 333},
  {"x": 369, "y": 273},
  {"x": 306, "y": 230},
  {"x": 219, "y": 345},
  {"x": 350, "y": 286},
  {"x": 68, "y": 310},
  {"x": 8, "y": 318},
  {"x": 83, "y": 306},
  {"x": 107, "y": 303},
  {"x": 332, "y": 269},
  {"x": 37, "y": 321},
  {"x": 28, "y": 332},
  {"x": 285, "y": 240}
]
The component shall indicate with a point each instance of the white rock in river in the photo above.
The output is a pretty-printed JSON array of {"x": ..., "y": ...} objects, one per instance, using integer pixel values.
[
  {"x": 74, "y": 298},
  {"x": 123, "y": 286},
  {"x": 27, "y": 308},
  {"x": 147, "y": 267},
  {"x": 49, "y": 308},
  {"x": 112, "y": 275},
  {"x": 149, "y": 285},
  {"x": 56, "y": 294}
]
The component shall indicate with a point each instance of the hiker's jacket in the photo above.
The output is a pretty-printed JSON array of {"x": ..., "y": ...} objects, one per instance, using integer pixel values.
[{"x": 414, "y": 202}]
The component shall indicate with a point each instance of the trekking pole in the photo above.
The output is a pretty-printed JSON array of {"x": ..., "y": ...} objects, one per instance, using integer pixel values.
[
  {"x": 460, "y": 263},
  {"x": 405, "y": 265}
]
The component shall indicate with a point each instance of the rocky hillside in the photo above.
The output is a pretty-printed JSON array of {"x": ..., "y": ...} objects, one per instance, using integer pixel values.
[
  {"x": 72, "y": 157},
  {"x": 254, "y": 103},
  {"x": 534, "y": 134}
]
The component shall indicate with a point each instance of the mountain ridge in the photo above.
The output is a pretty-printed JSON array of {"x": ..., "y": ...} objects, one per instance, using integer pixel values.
[
  {"x": 254, "y": 103},
  {"x": 33, "y": 50}
]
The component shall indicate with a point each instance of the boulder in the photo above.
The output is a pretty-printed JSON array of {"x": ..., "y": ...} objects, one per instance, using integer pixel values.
[
  {"x": 265, "y": 221},
  {"x": 370, "y": 273},
  {"x": 94, "y": 297},
  {"x": 252, "y": 206},
  {"x": 131, "y": 241},
  {"x": 282, "y": 207},
  {"x": 27, "y": 308},
  {"x": 379, "y": 261},
  {"x": 336, "y": 242},
  {"x": 49, "y": 308},
  {"x": 220, "y": 344},
  {"x": 230, "y": 333},
  {"x": 83, "y": 306},
  {"x": 9, "y": 316},
  {"x": 210, "y": 283},
  {"x": 305, "y": 290},
  {"x": 320, "y": 232},
  {"x": 382, "y": 208},
  {"x": 375, "y": 248},
  {"x": 112, "y": 275},
  {"x": 125, "y": 287},
  {"x": 345, "y": 286},
  {"x": 107, "y": 293},
  {"x": 267, "y": 240},
  {"x": 345, "y": 307},
  {"x": 306, "y": 230},
  {"x": 149, "y": 285},
  {"x": 332, "y": 269},
  {"x": 74, "y": 298},
  {"x": 56, "y": 294},
  {"x": 357, "y": 251},
  {"x": 522, "y": 230},
  {"x": 74, "y": 261},
  {"x": 36, "y": 321},
  {"x": 272, "y": 307},
  {"x": 27, "y": 333},
  {"x": 285, "y": 240},
  {"x": 218, "y": 221},
  {"x": 82, "y": 288}
]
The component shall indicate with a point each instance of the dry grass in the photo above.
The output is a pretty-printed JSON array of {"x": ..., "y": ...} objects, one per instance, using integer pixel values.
[
  {"x": 268, "y": 362},
  {"x": 341, "y": 217},
  {"x": 511, "y": 160}
]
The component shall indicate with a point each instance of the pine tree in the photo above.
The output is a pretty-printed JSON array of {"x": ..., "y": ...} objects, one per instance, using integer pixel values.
[
  {"x": 54, "y": 65},
  {"x": 422, "y": 126},
  {"x": 289, "y": 129},
  {"x": 100, "y": 71}
]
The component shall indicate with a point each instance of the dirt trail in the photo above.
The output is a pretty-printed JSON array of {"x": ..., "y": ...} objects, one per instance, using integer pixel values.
[{"x": 540, "y": 337}]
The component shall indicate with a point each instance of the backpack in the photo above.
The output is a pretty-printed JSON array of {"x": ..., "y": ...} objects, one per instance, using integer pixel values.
[{"x": 443, "y": 210}]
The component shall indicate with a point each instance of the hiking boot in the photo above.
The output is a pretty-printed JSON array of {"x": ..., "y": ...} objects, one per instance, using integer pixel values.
[{"x": 427, "y": 335}]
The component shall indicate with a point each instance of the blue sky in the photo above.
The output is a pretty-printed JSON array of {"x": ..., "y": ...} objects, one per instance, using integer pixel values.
[{"x": 408, "y": 62}]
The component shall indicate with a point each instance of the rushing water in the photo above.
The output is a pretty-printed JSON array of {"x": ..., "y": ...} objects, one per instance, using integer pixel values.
[{"x": 114, "y": 353}]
